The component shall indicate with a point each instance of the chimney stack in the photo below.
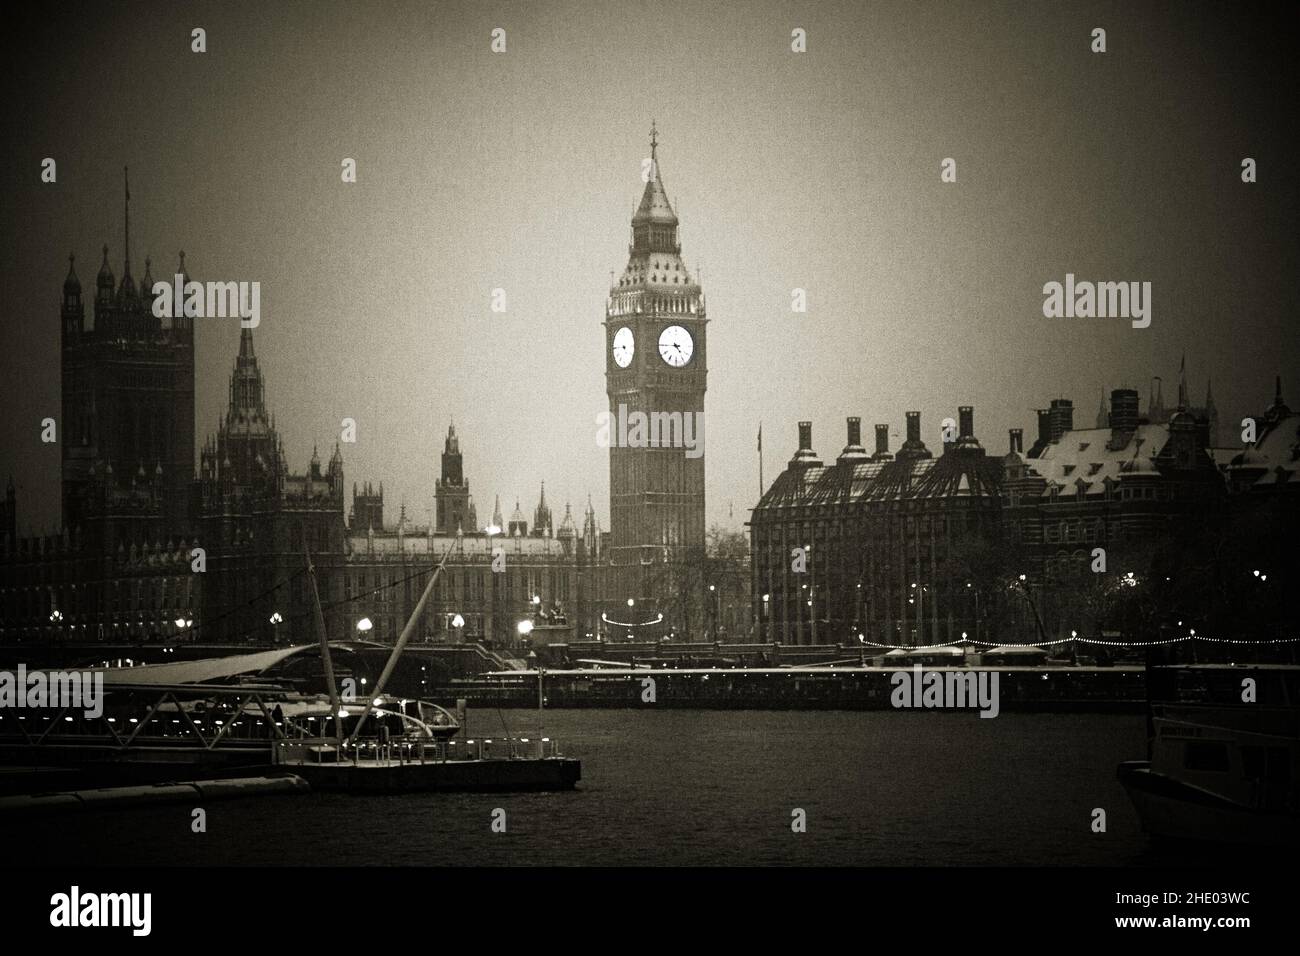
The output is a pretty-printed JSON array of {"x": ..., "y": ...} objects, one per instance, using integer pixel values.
[
  {"x": 1124, "y": 410},
  {"x": 854, "y": 451},
  {"x": 882, "y": 441},
  {"x": 913, "y": 447},
  {"x": 1017, "y": 441},
  {"x": 965, "y": 421},
  {"x": 805, "y": 455},
  {"x": 1044, "y": 426},
  {"x": 1060, "y": 418},
  {"x": 913, "y": 426}
]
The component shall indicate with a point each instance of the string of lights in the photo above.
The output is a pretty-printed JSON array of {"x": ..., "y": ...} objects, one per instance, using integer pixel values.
[{"x": 1081, "y": 640}]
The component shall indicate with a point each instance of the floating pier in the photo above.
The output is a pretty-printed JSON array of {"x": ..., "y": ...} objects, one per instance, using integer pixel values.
[{"x": 186, "y": 792}]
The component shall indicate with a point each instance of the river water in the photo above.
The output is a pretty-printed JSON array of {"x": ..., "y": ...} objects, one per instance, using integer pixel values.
[{"x": 676, "y": 787}]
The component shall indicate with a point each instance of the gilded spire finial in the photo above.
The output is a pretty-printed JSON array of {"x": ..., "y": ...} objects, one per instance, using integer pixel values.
[{"x": 654, "y": 139}]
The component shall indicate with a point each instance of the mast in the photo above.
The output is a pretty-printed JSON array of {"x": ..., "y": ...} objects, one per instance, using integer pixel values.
[
  {"x": 400, "y": 646},
  {"x": 325, "y": 651}
]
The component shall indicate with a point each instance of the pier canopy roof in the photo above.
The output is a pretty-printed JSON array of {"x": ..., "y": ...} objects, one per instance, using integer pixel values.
[{"x": 201, "y": 671}]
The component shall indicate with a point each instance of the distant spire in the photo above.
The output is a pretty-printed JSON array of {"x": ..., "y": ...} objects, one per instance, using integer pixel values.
[
  {"x": 654, "y": 143},
  {"x": 1182, "y": 382}
]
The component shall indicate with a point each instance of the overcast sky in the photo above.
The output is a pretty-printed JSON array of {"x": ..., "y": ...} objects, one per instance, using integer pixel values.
[{"x": 521, "y": 171}]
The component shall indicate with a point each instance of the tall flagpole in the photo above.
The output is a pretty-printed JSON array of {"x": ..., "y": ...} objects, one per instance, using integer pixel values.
[{"x": 760, "y": 460}]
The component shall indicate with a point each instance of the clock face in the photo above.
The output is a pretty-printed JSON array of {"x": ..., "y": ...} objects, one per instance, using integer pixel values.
[
  {"x": 624, "y": 347},
  {"x": 675, "y": 346}
]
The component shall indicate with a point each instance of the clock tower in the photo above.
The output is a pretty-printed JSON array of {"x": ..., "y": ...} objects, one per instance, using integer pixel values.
[{"x": 655, "y": 371}]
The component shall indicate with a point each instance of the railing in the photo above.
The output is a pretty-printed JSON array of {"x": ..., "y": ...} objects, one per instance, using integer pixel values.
[{"x": 400, "y": 753}]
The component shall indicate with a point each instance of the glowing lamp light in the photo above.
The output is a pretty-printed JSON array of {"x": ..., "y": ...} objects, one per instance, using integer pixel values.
[
  {"x": 457, "y": 621},
  {"x": 276, "y": 618},
  {"x": 524, "y": 628},
  {"x": 364, "y": 624}
]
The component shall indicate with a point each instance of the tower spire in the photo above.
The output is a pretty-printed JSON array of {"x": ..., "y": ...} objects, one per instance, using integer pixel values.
[
  {"x": 126, "y": 182},
  {"x": 654, "y": 143}
]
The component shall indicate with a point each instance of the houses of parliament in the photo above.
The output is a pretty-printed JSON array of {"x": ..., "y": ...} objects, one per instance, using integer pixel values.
[{"x": 150, "y": 549}]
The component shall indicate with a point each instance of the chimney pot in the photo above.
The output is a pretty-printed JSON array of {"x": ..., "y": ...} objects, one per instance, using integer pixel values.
[
  {"x": 882, "y": 439},
  {"x": 855, "y": 430},
  {"x": 805, "y": 436}
]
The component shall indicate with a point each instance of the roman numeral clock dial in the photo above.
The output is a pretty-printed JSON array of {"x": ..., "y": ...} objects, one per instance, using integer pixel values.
[
  {"x": 624, "y": 347},
  {"x": 675, "y": 346}
]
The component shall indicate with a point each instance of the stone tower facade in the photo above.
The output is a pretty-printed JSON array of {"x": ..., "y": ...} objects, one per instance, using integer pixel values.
[{"x": 656, "y": 360}]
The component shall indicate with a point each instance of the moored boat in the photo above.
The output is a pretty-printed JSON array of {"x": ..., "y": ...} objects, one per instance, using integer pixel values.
[{"x": 1223, "y": 755}]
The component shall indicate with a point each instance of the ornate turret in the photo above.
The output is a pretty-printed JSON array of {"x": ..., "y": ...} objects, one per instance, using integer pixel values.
[
  {"x": 73, "y": 312},
  {"x": 451, "y": 490},
  {"x": 72, "y": 285},
  {"x": 542, "y": 526},
  {"x": 104, "y": 282},
  {"x": 518, "y": 525},
  {"x": 567, "y": 528}
]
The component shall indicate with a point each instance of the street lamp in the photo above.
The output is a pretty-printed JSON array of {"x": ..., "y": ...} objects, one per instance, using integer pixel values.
[
  {"x": 458, "y": 623},
  {"x": 364, "y": 625}
]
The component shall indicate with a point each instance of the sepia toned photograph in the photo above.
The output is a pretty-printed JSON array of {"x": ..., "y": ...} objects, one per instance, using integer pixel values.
[{"x": 502, "y": 452}]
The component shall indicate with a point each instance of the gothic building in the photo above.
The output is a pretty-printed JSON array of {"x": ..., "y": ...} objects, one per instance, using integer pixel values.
[
  {"x": 119, "y": 569},
  {"x": 127, "y": 425},
  {"x": 656, "y": 366},
  {"x": 259, "y": 520},
  {"x": 494, "y": 577}
]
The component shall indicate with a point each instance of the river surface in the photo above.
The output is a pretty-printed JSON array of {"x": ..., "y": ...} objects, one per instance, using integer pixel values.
[{"x": 676, "y": 787}]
